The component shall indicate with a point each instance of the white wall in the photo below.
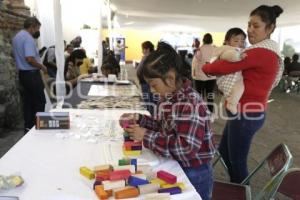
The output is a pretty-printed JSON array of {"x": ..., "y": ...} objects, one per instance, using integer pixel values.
[{"x": 75, "y": 13}]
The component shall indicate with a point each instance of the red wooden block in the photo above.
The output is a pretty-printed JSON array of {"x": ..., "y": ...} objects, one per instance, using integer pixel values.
[
  {"x": 132, "y": 143},
  {"x": 119, "y": 174},
  {"x": 169, "y": 178}
]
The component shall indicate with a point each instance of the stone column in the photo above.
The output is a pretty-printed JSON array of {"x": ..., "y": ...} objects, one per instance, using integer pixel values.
[{"x": 12, "y": 16}]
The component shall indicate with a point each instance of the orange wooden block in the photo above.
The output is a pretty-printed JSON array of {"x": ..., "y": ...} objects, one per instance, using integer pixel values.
[
  {"x": 100, "y": 192},
  {"x": 109, "y": 193},
  {"x": 102, "y": 176},
  {"x": 127, "y": 193}
]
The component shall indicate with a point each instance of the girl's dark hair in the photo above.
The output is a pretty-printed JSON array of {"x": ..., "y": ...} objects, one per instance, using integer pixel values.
[
  {"x": 234, "y": 32},
  {"x": 207, "y": 39},
  {"x": 268, "y": 14},
  {"x": 148, "y": 45},
  {"x": 161, "y": 61}
]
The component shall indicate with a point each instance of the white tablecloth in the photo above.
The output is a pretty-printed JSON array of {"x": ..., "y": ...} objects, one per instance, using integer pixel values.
[
  {"x": 49, "y": 160},
  {"x": 113, "y": 90}
]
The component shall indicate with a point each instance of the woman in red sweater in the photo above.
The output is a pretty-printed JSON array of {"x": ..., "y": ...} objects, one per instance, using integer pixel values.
[{"x": 261, "y": 70}]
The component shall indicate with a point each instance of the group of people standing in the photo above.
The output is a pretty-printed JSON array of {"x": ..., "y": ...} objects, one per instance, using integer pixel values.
[{"x": 246, "y": 77}]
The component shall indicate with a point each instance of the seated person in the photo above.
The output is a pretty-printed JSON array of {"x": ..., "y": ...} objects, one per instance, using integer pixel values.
[
  {"x": 294, "y": 67},
  {"x": 73, "y": 67},
  {"x": 110, "y": 65},
  {"x": 86, "y": 66}
]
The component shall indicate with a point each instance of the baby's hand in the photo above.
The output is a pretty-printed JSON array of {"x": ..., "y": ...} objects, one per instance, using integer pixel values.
[{"x": 243, "y": 56}]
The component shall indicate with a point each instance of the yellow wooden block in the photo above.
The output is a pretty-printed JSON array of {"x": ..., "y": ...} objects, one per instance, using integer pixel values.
[
  {"x": 158, "y": 181},
  {"x": 179, "y": 184},
  {"x": 132, "y": 153},
  {"x": 87, "y": 172},
  {"x": 157, "y": 196}
]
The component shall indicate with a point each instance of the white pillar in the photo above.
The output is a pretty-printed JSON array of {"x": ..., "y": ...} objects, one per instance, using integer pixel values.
[
  {"x": 100, "y": 49},
  {"x": 109, "y": 24},
  {"x": 59, "y": 52}
]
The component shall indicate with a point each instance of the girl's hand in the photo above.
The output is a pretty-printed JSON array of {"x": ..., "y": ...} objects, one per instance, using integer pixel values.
[{"x": 136, "y": 132}]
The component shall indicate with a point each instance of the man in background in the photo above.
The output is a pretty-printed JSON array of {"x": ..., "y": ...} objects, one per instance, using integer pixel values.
[{"x": 28, "y": 62}]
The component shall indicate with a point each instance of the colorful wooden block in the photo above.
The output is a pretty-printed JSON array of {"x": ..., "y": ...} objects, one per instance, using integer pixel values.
[
  {"x": 108, "y": 185},
  {"x": 101, "y": 168},
  {"x": 157, "y": 196},
  {"x": 132, "y": 153},
  {"x": 131, "y": 168},
  {"x": 124, "y": 161},
  {"x": 97, "y": 183},
  {"x": 159, "y": 181},
  {"x": 136, "y": 148},
  {"x": 120, "y": 189},
  {"x": 142, "y": 176},
  {"x": 87, "y": 172},
  {"x": 148, "y": 188},
  {"x": 102, "y": 175},
  {"x": 100, "y": 192},
  {"x": 172, "y": 190},
  {"x": 109, "y": 192},
  {"x": 135, "y": 181},
  {"x": 119, "y": 174},
  {"x": 169, "y": 178},
  {"x": 132, "y": 143},
  {"x": 179, "y": 184},
  {"x": 127, "y": 193},
  {"x": 133, "y": 161}
]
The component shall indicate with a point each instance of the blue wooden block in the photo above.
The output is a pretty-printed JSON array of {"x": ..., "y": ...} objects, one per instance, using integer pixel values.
[
  {"x": 133, "y": 161},
  {"x": 172, "y": 190},
  {"x": 135, "y": 181},
  {"x": 97, "y": 182}
]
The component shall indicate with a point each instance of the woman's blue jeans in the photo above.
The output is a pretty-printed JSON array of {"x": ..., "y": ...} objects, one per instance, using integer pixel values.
[
  {"x": 236, "y": 141},
  {"x": 201, "y": 178}
]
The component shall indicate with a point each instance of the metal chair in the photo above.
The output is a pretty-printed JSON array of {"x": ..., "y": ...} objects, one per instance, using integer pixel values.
[
  {"x": 230, "y": 191},
  {"x": 278, "y": 161},
  {"x": 289, "y": 184}
]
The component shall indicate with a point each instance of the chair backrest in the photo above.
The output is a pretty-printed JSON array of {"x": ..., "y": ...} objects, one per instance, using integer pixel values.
[
  {"x": 289, "y": 184},
  {"x": 278, "y": 161}
]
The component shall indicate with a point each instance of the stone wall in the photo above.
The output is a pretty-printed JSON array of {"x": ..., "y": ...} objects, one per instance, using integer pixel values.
[{"x": 12, "y": 15}]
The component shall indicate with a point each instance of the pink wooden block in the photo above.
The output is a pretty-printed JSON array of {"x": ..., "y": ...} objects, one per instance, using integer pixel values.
[
  {"x": 169, "y": 178},
  {"x": 119, "y": 174}
]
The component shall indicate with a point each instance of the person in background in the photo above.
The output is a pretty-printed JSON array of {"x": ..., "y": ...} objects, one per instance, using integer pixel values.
[
  {"x": 182, "y": 131},
  {"x": 196, "y": 45},
  {"x": 262, "y": 69},
  {"x": 86, "y": 67},
  {"x": 148, "y": 96},
  {"x": 110, "y": 65},
  {"x": 118, "y": 49},
  {"x": 294, "y": 67},
  {"x": 73, "y": 71},
  {"x": 68, "y": 50},
  {"x": 76, "y": 42},
  {"x": 204, "y": 84},
  {"x": 50, "y": 61},
  {"x": 29, "y": 64}
]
